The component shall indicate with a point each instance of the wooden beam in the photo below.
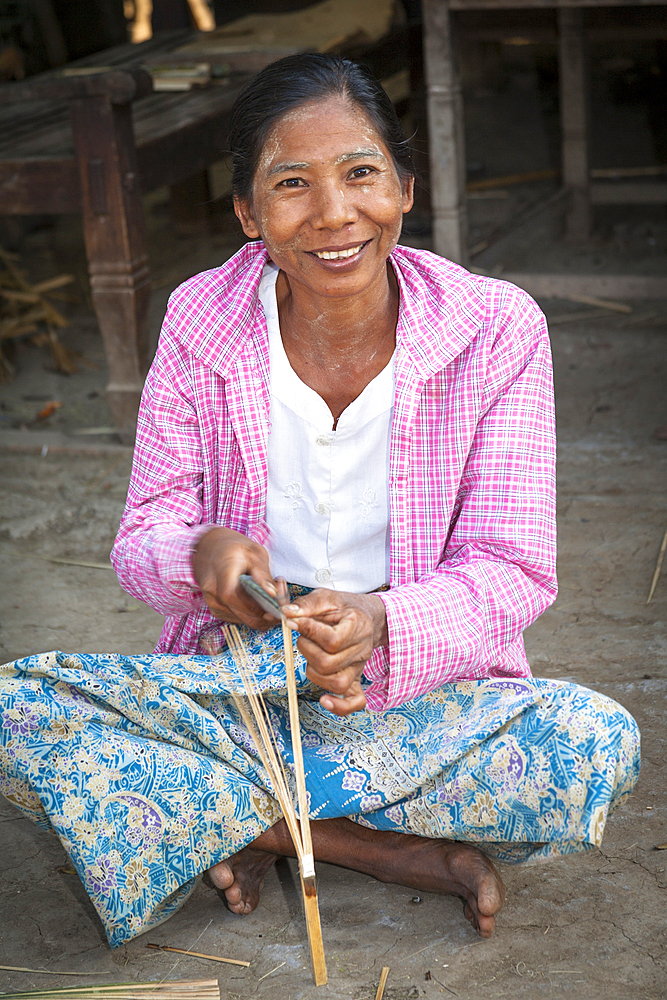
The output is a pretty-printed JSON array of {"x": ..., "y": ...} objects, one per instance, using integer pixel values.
[
  {"x": 623, "y": 193},
  {"x": 170, "y": 159},
  {"x": 446, "y": 134},
  {"x": 609, "y": 286}
]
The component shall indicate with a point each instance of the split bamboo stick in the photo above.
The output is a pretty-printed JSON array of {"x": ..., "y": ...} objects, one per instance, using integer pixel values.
[
  {"x": 382, "y": 983},
  {"x": 261, "y": 731},
  {"x": 199, "y": 954},
  {"x": 658, "y": 567},
  {"x": 198, "y": 989},
  {"x": 307, "y": 862}
]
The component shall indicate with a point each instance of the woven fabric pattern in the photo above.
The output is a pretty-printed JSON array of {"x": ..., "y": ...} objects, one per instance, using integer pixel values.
[{"x": 143, "y": 768}]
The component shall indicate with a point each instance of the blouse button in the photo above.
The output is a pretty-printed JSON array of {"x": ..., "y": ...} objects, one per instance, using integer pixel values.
[
  {"x": 322, "y": 508},
  {"x": 323, "y": 576},
  {"x": 323, "y": 439}
]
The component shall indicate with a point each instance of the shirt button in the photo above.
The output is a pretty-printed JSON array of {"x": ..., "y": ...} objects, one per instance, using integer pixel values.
[
  {"x": 322, "y": 508},
  {"x": 323, "y": 576},
  {"x": 323, "y": 439}
]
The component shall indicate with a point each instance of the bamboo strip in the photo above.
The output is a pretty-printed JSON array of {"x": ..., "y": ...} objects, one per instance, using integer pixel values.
[
  {"x": 295, "y": 729},
  {"x": 44, "y": 972},
  {"x": 314, "y": 927},
  {"x": 199, "y": 954},
  {"x": 256, "y": 724},
  {"x": 658, "y": 567},
  {"x": 261, "y": 731},
  {"x": 591, "y": 300},
  {"x": 308, "y": 886},
  {"x": 383, "y": 983},
  {"x": 195, "y": 989}
]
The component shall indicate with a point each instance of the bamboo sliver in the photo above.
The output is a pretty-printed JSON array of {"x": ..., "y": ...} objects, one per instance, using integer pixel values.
[
  {"x": 307, "y": 863},
  {"x": 312, "y": 912}
]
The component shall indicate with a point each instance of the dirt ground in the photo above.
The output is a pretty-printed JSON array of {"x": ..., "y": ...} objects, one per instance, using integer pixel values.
[{"x": 588, "y": 928}]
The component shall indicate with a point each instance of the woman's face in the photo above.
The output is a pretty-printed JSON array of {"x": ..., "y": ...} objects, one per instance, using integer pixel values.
[{"x": 327, "y": 200}]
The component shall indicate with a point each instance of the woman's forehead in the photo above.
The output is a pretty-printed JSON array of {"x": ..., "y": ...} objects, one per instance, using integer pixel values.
[{"x": 331, "y": 129}]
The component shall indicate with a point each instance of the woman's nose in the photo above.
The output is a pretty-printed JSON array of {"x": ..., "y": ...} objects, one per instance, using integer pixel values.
[{"x": 334, "y": 208}]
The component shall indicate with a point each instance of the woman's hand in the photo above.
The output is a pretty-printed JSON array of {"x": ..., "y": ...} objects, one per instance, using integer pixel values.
[
  {"x": 338, "y": 633},
  {"x": 219, "y": 559}
]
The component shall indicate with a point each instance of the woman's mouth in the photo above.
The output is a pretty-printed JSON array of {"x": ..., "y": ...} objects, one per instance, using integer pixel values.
[{"x": 339, "y": 254}]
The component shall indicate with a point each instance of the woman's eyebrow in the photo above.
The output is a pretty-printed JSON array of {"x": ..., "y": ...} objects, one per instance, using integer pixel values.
[
  {"x": 357, "y": 154},
  {"x": 281, "y": 168},
  {"x": 360, "y": 154}
]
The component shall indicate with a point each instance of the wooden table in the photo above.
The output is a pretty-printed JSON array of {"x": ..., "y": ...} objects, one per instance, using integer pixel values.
[
  {"x": 94, "y": 144},
  {"x": 447, "y": 145}
]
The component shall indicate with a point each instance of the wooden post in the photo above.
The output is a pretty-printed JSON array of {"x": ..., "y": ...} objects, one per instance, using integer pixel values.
[
  {"x": 113, "y": 228},
  {"x": 446, "y": 135},
  {"x": 573, "y": 74}
]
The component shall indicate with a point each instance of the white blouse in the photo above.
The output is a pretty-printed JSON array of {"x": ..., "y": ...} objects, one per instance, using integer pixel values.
[{"x": 328, "y": 503}]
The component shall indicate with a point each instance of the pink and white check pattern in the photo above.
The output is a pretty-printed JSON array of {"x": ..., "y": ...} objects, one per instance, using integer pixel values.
[{"x": 472, "y": 466}]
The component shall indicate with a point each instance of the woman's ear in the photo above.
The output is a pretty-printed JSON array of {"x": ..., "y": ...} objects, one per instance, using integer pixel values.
[
  {"x": 244, "y": 214},
  {"x": 408, "y": 194}
]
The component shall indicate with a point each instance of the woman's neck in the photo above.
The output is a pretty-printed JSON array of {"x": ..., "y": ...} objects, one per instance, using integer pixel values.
[
  {"x": 338, "y": 345},
  {"x": 326, "y": 329}
]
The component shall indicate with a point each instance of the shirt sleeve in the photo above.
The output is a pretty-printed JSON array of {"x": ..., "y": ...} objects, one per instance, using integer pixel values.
[
  {"x": 162, "y": 521},
  {"x": 498, "y": 571}
]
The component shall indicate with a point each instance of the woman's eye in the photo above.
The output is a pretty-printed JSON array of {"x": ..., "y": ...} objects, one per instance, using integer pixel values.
[
  {"x": 291, "y": 182},
  {"x": 361, "y": 171}
]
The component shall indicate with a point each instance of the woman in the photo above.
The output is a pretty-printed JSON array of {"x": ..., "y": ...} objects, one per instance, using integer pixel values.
[{"x": 375, "y": 425}]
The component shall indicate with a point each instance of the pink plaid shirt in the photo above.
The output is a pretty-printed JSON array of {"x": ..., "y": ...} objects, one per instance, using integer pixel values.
[{"x": 471, "y": 481}]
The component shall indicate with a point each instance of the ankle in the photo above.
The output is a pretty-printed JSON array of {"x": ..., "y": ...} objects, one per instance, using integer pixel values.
[{"x": 275, "y": 840}]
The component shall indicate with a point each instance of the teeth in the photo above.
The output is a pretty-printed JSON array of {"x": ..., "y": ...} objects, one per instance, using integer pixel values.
[{"x": 338, "y": 254}]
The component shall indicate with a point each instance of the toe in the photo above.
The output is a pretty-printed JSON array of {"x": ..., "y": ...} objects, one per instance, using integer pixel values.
[
  {"x": 221, "y": 875},
  {"x": 238, "y": 907},
  {"x": 490, "y": 895}
]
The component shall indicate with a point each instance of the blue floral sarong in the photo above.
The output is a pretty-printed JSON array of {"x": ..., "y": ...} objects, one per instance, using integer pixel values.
[{"x": 143, "y": 768}]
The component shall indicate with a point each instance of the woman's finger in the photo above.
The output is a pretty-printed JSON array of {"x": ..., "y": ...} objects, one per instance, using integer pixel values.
[
  {"x": 351, "y": 628},
  {"x": 354, "y": 701},
  {"x": 327, "y": 664}
]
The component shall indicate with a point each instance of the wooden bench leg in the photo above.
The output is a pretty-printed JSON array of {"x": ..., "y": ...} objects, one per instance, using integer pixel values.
[
  {"x": 113, "y": 228},
  {"x": 446, "y": 135},
  {"x": 573, "y": 73}
]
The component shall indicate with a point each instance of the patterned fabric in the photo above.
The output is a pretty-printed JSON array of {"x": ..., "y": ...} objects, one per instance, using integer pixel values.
[
  {"x": 145, "y": 772},
  {"x": 471, "y": 478}
]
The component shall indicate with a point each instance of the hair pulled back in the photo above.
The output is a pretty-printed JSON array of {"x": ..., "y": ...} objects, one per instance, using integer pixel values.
[{"x": 293, "y": 81}]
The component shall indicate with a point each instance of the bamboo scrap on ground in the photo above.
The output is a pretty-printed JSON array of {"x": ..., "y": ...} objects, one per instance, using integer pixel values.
[
  {"x": 383, "y": 983},
  {"x": 45, "y": 972},
  {"x": 187, "y": 989},
  {"x": 577, "y": 317},
  {"x": 255, "y": 715},
  {"x": 658, "y": 567},
  {"x": 199, "y": 954},
  {"x": 26, "y": 311},
  {"x": 591, "y": 300}
]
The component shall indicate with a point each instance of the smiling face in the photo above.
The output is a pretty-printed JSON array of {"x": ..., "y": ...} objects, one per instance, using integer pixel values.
[{"x": 327, "y": 200}]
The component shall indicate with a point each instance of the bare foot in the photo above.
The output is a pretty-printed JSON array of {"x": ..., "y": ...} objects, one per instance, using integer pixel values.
[
  {"x": 418, "y": 862},
  {"x": 240, "y": 878}
]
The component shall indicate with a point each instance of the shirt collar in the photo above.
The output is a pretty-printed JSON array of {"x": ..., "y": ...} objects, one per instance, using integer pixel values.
[{"x": 214, "y": 314}]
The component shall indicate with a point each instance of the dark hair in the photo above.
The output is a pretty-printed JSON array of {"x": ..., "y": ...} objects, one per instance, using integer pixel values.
[{"x": 300, "y": 79}]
